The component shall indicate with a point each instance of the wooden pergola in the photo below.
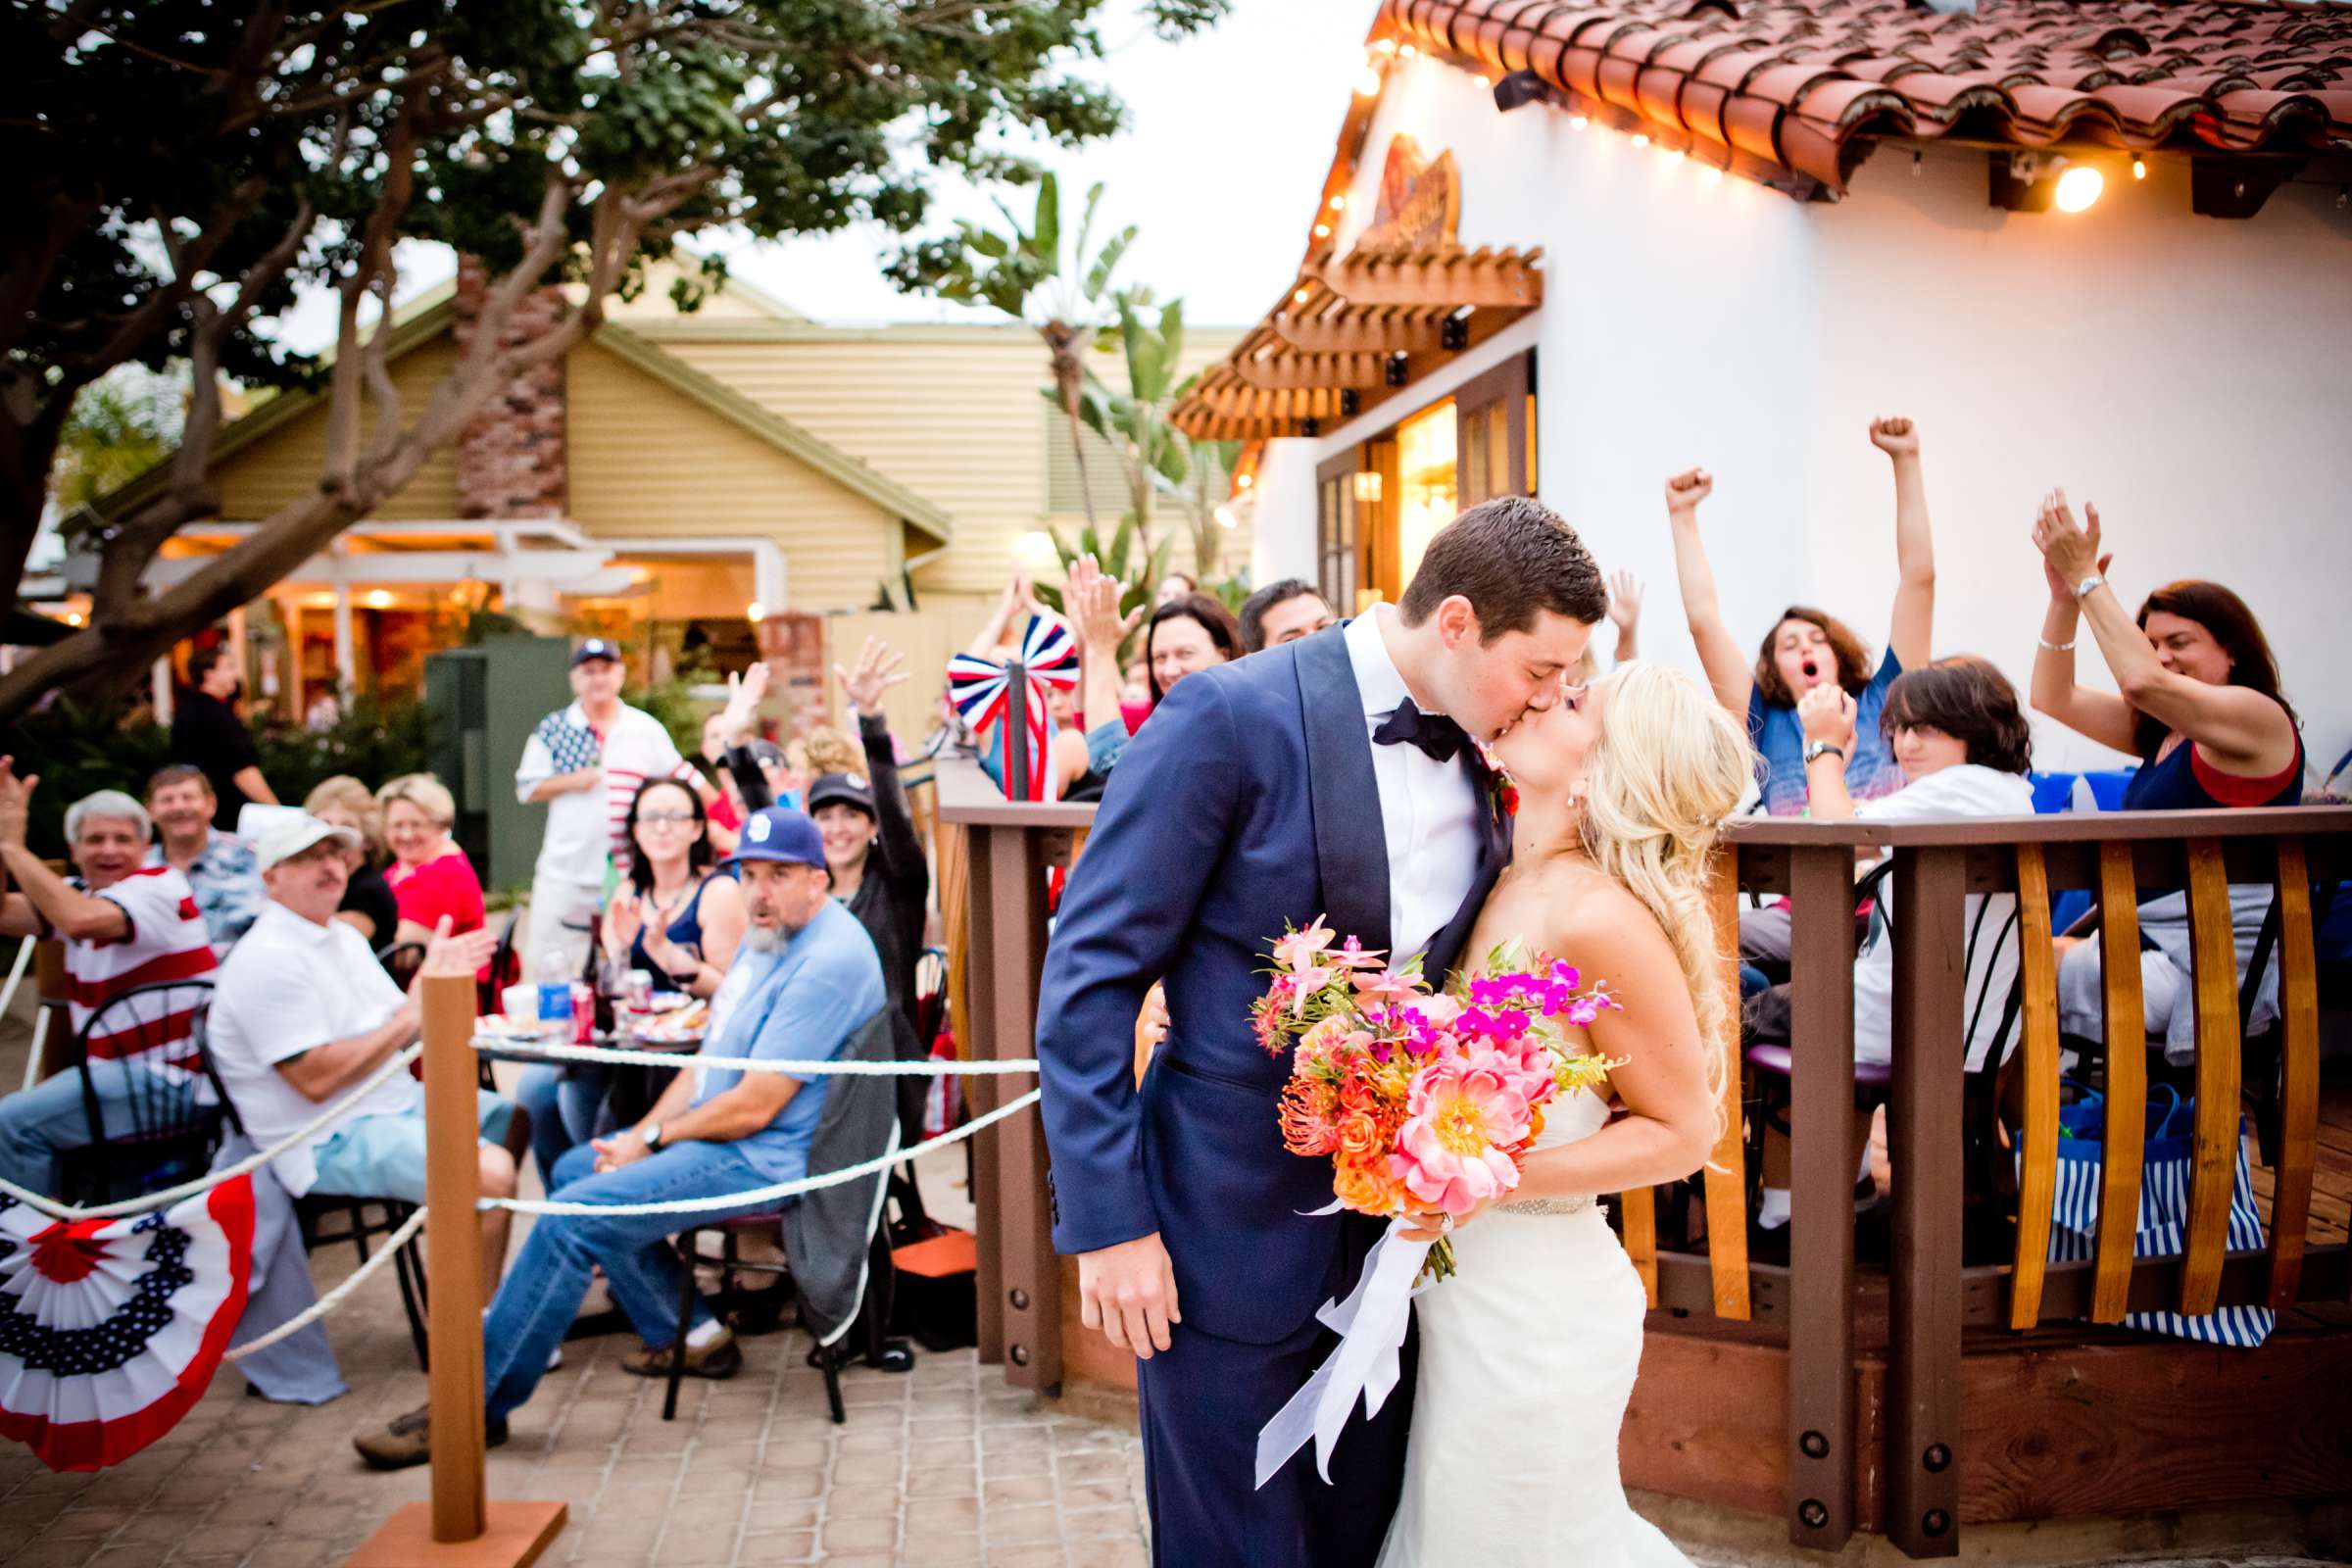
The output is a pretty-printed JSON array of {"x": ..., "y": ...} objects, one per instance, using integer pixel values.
[{"x": 1354, "y": 330}]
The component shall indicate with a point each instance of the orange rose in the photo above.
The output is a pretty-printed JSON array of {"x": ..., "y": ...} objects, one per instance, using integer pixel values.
[{"x": 1359, "y": 1135}]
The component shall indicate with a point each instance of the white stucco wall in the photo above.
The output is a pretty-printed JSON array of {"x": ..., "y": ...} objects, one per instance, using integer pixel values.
[{"x": 2191, "y": 376}]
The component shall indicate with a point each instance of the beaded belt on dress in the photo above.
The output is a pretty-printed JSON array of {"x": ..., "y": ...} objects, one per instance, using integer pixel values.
[{"x": 1548, "y": 1206}]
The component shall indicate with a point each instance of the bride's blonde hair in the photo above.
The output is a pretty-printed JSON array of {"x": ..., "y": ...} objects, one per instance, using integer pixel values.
[{"x": 1669, "y": 768}]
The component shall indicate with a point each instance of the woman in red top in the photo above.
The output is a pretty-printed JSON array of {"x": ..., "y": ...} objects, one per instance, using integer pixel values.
[{"x": 429, "y": 874}]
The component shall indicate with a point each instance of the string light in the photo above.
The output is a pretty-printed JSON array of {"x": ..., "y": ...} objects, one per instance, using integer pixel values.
[
  {"x": 1367, "y": 86},
  {"x": 1243, "y": 480},
  {"x": 1299, "y": 296},
  {"x": 1578, "y": 121},
  {"x": 1338, "y": 204},
  {"x": 2079, "y": 187},
  {"x": 2139, "y": 166},
  {"x": 1386, "y": 46},
  {"x": 1406, "y": 51},
  {"x": 379, "y": 600},
  {"x": 1322, "y": 231},
  {"x": 755, "y": 611},
  {"x": 1640, "y": 139}
]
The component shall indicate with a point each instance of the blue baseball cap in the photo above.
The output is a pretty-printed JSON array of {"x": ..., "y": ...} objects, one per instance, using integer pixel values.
[
  {"x": 780, "y": 833},
  {"x": 592, "y": 649}
]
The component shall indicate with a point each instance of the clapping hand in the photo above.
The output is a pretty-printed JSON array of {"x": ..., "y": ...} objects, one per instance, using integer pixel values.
[
  {"x": 879, "y": 667},
  {"x": 16, "y": 803},
  {"x": 1896, "y": 436},
  {"x": 1686, "y": 490},
  {"x": 1827, "y": 714},
  {"x": 1625, "y": 601},
  {"x": 2070, "y": 552},
  {"x": 457, "y": 955},
  {"x": 1093, "y": 598}
]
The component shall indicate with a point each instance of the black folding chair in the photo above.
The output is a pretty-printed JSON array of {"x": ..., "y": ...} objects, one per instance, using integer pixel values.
[
  {"x": 400, "y": 960},
  {"x": 328, "y": 1219},
  {"x": 161, "y": 1115}
]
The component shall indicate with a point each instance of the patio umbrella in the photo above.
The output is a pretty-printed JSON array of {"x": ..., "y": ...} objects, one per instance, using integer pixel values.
[{"x": 110, "y": 1329}]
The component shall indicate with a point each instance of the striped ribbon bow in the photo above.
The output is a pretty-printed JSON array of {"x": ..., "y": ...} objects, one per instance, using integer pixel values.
[{"x": 981, "y": 691}]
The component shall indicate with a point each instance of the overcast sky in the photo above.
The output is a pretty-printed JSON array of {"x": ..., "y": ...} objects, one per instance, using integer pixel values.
[{"x": 1229, "y": 136}]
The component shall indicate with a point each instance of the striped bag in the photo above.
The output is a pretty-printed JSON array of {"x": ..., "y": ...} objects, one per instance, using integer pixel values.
[{"x": 2163, "y": 1211}]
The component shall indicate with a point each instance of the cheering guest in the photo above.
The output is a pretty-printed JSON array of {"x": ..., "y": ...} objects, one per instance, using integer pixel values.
[
  {"x": 1092, "y": 596},
  {"x": 1283, "y": 613},
  {"x": 431, "y": 878},
  {"x": 218, "y": 866},
  {"x": 123, "y": 925},
  {"x": 806, "y": 981},
  {"x": 871, "y": 846},
  {"x": 1625, "y": 613},
  {"x": 1808, "y": 648},
  {"x": 303, "y": 1015},
  {"x": 1186, "y": 634},
  {"x": 207, "y": 732},
  {"x": 367, "y": 906},
  {"x": 2202, "y": 707}
]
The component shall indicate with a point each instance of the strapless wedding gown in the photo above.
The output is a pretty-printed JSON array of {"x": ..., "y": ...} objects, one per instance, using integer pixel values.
[{"x": 1528, "y": 1356}]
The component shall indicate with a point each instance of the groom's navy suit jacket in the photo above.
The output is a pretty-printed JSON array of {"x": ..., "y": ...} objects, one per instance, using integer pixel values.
[{"x": 1248, "y": 802}]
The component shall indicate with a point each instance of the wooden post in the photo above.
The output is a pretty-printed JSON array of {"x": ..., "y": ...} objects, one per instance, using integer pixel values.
[
  {"x": 1923, "y": 1137},
  {"x": 1821, "y": 1240},
  {"x": 458, "y": 1526}
]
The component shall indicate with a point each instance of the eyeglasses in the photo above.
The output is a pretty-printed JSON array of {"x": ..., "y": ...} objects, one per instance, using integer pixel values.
[{"x": 664, "y": 818}]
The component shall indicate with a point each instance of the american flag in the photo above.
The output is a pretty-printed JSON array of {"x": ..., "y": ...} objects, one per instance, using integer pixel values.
[{"x": 571, "y": 746}]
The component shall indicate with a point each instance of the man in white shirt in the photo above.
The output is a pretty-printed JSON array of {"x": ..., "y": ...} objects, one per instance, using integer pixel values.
[
  {"x": 586, "y": 762},
  {"x": 303, "y": 1015},
  {"x": 1429, "y": 808}
]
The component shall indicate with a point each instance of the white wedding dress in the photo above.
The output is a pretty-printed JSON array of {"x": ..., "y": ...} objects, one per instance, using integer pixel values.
[{"x": 1528, "y": 1356}]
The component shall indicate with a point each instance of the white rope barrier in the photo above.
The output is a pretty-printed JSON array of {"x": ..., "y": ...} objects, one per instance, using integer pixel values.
[
  {"x": 212, "y": 1179},
  {"x": 333, "y": 1298},
  {"x": 929, "y": 1066},
  {"x": 767, "y": 1194}
]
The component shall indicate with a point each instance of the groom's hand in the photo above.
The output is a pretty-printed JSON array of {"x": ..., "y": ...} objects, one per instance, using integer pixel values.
[{"x": 1129, "y": 1293}]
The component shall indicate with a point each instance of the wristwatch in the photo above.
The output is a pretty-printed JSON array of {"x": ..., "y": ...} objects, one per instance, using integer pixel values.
[
  {"x": 1814, "y": 749},
  {"x": 650, "y": 1134},
  {"x": 2089, "y": 583}
]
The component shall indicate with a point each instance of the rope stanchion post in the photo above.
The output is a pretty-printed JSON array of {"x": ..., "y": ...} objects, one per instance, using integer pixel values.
[{"x": 458, "y": 1526}]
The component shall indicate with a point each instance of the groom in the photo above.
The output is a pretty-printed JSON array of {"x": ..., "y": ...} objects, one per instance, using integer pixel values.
[{"x": 1329, "y": 776}]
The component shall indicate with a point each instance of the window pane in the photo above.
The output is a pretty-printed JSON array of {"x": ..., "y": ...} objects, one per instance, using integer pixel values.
[{"x": 1425, "y": 453}]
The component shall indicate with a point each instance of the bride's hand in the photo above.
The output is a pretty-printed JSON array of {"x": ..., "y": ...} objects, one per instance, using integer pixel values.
[{"x": 1432, "y": 1227}]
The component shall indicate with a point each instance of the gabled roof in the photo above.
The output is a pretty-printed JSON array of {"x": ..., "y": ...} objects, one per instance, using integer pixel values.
[
  {"x": 435, "y": 313},
  {"x": 1806, "y": 84}
]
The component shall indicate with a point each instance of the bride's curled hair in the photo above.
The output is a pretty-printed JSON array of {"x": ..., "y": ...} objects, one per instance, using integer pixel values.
[{"x": 1669, "y": 768}]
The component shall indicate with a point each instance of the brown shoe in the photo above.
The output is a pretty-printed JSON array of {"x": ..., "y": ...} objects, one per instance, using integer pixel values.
[
  {"x": 408, "y": 1441},
  {"x": 720, "y": 1359}
]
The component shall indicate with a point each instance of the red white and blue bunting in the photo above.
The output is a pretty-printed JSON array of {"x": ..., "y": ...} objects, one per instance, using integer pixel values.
[
  {"x": 981, "y": 691},
  {"x": 110, "y": 1329}
]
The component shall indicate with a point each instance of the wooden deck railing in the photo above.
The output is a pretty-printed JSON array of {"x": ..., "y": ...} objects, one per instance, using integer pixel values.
[{"x": 1820, "y": 1306}]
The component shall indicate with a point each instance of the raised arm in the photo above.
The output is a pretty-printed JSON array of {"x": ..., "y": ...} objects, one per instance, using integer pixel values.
[
  {"x": 1727, "y": 669},
  {"x": 879, "y": 667},
  {"x": 42, "y": 895},
  {"x": 2241, "y": 729},
  {"x": 1014, "y": 601},
  {"x": 1625, "y": 613},
  {"x": 1912, "y": 637}
]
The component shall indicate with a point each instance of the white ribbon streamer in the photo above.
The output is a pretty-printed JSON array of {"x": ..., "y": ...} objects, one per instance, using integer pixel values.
[{"x": 1371, "y": 1324}]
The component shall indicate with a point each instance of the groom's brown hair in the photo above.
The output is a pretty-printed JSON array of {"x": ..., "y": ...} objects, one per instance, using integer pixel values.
[{"x": 1511, "y": 558}]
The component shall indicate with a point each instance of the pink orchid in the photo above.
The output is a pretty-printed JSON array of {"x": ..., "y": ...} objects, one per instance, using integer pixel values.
[
  {"x": 1301, "y": 949},
  {"x": 1383, "y": 988},
  {"x": 1462, "y": 1117},
  {"x": 1312, "y": 979}
]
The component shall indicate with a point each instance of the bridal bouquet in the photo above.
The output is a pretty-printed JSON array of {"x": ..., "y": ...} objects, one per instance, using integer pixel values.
[{"x": 1424, "y": 1101}]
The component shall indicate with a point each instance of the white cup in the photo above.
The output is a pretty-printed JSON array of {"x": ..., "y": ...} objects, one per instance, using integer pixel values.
[{"x": 521, "y": 1003}]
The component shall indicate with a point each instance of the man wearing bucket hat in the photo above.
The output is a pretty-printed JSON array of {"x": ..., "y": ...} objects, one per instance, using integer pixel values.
[
  {"x": 803, "y": 982},
  {"x": 303, "y": 1015}
]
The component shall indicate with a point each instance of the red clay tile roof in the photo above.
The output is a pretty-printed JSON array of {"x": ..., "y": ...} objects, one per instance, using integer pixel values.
[{"x": 1808, "y": 84}]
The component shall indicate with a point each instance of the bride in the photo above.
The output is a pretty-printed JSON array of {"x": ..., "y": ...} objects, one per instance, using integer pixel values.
[{"x": 1528, "y": 1353}]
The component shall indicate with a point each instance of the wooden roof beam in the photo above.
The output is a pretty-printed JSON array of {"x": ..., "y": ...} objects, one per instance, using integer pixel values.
[
  {"x": 1349, "y": 331},
  {"x": 1448, "y": 280},
  {"x": 1276, "y": 371}
]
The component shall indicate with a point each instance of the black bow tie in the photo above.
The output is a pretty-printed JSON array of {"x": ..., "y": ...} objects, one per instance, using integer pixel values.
[{"x": 1439, "y": 737}]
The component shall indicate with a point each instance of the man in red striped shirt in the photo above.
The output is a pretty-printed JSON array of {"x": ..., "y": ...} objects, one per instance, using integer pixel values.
[{"x": 124, "y": 925}]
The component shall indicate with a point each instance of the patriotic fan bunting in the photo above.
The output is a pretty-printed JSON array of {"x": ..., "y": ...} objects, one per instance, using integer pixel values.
[
  {"x": 981, "y": 690},
  {"x": 110, "y": 1329}
]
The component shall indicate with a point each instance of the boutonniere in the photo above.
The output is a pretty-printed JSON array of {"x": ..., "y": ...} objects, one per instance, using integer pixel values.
[{"x": 1502, "y": 795}]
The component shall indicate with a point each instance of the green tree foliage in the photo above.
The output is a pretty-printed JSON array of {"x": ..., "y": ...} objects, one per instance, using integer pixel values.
[
  {"x": 121, "y": 425},
  {"x": 174, "y": 169}
]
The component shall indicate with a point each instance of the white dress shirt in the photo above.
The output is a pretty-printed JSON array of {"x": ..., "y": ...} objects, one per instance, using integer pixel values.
[{"x": 1428, "y": 810}]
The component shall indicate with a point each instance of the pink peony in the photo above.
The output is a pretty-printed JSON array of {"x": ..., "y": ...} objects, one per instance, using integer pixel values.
[
  {"x": 1439, "y": 1009},
  {"x": 1462, "y": 1116}
]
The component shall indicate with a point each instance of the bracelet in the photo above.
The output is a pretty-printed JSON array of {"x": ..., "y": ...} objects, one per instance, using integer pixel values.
[{"x": 2065, "y": 646}]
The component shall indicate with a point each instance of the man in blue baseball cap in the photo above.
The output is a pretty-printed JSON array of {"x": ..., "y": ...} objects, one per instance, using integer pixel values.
[{"x": 803, "y": 982}]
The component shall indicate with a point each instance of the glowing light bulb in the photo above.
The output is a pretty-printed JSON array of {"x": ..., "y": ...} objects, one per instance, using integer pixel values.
[
  {"x": 1714, "y": 175},
  {"x": 2139, "y": 166},
  {"x": 1386, "y": 46},
  {"x": 1406, "y": 51},
  {"x": 754, "y": 611},
  {"x": 74, "y": 617},
  {"x": 1640, "y": 139},
  {"x": 1299, "y": 296},
  {"x": 1243, "y": 480},
  {"x": 1338, "y": 204},
  {"x": 2078, "y": 189},
  {"x": 1322, "y": 231},
  {"x": 1367, "y": 86},
  {"x": 1226, "y": 517},
  {"x": 379, "y": 600},
  {"x": 1578, "y": 121}
]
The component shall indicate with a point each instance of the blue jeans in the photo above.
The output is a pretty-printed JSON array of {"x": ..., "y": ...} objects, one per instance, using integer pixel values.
[
  {"x": 40, "y": 1123},
  {"x": 547, "y": 1282},
  {"x": 564, "y": 1111}
]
